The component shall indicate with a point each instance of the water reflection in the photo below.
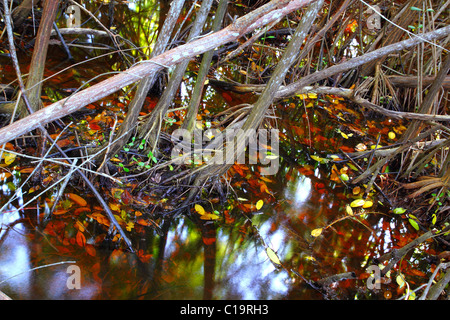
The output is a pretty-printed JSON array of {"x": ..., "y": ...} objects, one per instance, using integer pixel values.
[{"x": 194, "y": 259}]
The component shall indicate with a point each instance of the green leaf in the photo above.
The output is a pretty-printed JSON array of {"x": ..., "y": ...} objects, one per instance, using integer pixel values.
[
  {"x": 357, "y": 203},
  {"x": 399, "y": 210},
  {"x": 273, "y": 256},
  {"x": 415, "y": 9},
  {"x": 434, "y": 219},
  {"x": 259, "y": 204},
  {"x": 414, "y": 224},
  {"x": 400, "y": 281}
]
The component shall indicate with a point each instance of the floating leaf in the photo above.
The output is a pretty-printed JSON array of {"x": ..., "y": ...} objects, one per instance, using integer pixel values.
[
  {"x": 319, "y": 159},
  {"x": 344, "y": 177},
  {"x": 90, "y": 250},
  {"x": 209, "y": 216},
  {"x": 9, "y": 157},
  {"x": 414, "y": 224},
  {"x": 79, "y": 225},
  {"x": 400, "y": 281},
  {"x": 399, "y": 210},
  {"x": 411, "y": 295},
  {"x": 434, "y": 218},
  {"x": 357, "y": 203},
  {"x": 360, "y": 147},
  {"x": 130, "y": 226},
  {"x": 77, "y": 199},
  {"x": 316, "y": 232},
  {"x": 273, "y": 256},
  {"x": 81, "y": 239},
  {"x": 259, "y": 204},
  {"x": 349, "y": 210},
  {"x": 307, "y": 96},
  {"x": 391, "y": 135},
  {"x": 367, "y": 204},
  {"x": 356, "y": 190},
  {"x": 199, "y": 209},
  {"x": 59, "y": 212},
  {"x": 143, "y": 222}
]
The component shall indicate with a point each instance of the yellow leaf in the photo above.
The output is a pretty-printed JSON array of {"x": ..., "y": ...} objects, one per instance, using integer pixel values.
[
  {"x": 391, "y": 135},
  {"x": 400, "y": 280},
  {"x": 316, "y": 232},
  {"x": 319, "y": 159},
  {"x": 114, "y": 206},
  {"x": 357, "y": 203},
  {"x": 273, "y": 256},
  {"x": 345, "y": 136},
  {"x": 259, "y": 204},
  {"x": 9, "y": 157},
  {"x": 199, "y": 209},
  {"x": 79, "y": 225},
  {"x": 209, "y": 216},
  {"x": 130, "y": 225},
  {"x": 349, "y": 210},
  {"x": 367, "y": 204}
]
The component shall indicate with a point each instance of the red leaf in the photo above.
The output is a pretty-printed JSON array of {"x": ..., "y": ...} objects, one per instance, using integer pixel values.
[{"x": 81, "y": 239}]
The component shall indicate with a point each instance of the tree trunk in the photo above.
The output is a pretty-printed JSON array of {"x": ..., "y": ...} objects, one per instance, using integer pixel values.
[
  {"x": 191, "y": 116},
  {"x": 34, "y": 81},
  {"x": 152, "y": 126},
  {"x": 127, "y": 127}
]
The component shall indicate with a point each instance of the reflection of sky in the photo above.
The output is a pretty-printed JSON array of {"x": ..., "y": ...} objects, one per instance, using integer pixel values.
[
  {"x": 252, "y": 275},
  {"x": 302, "y": 190},
  {"x": 14, "y": 256}
]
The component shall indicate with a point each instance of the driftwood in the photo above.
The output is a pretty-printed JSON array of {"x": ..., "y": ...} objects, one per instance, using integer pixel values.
[{"x": 143, "y": 69}]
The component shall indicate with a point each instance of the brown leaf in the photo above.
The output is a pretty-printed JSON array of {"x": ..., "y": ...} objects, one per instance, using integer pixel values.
[{"x": 77, "y": 199}]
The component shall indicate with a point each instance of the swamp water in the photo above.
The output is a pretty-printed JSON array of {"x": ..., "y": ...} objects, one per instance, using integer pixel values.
[{"x": 231, "y": 258}]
